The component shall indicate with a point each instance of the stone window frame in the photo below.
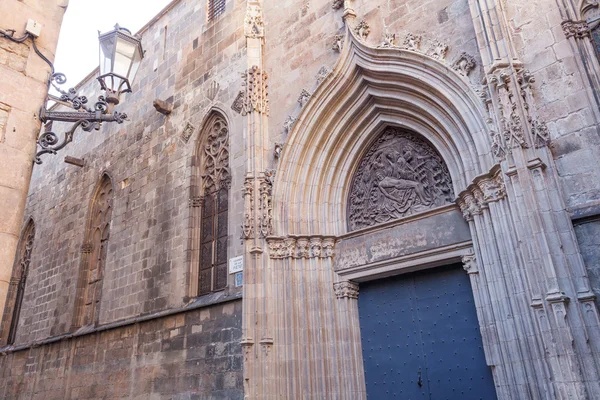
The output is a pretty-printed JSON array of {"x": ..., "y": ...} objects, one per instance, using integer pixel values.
[
  {"x": 18, "y": 281},
  {"x": 210, "y": 187},
  {"x": 93, "y": 254},
  {"x": 214, "y": 9}
]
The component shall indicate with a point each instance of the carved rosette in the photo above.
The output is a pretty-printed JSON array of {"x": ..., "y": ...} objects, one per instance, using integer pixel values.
[
  {"x": 484, "y": 190},
  {"x": 401, "y": 174},
  {"x": 248, "y": 194},
  {"x": 257, "y": 95},
  {"x": 216, "y": 157},
  {"x": 254, "y": 26},
  {"x": 346, "y": 290},
  {"x": 301, "y": 247}
]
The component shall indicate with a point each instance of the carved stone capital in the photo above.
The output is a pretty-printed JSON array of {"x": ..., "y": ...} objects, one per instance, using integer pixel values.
[
  {"x": 301, "y": 247},
  {"x": 470, "y": 264},
  {"x": 577, "y": 29},
  {"x": 346, "y": 290}
]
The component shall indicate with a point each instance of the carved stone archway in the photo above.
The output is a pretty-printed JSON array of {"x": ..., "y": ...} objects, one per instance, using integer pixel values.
[{"x": 314, "y": 339}]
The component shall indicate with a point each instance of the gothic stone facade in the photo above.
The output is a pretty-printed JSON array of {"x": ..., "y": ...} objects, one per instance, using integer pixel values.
[{"x": 329, "y": 144}]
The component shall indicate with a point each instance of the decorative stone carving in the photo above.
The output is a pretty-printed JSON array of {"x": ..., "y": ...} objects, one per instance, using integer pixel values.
[
  {"x": 187, "y": 133},
  {"x": 238, "y": 103},
  {"x": 216, "y": 157},
  {"x": 401, "y": 174},
  {"x": 266, "y": 204},
  {"x": 322, "y": 75},
  {"x": 301, "y": 247},
  {"x": 437, "y": 49},
  {"x": 362, "y": 30},
  {"x": 195, "y": 201},
  {"x": 540, "y": 133},
  {"x": 389, "y": 41},
  {"x": 289, "y": 123},
  {"x": 484, "y": 190},
  {"x": 248, "y": 194},
  {"x": 470, "y": 264},
  {"x": 577, "y": 29},
  {"x": 304, "y": 97},
  {"x": 213, "y": 90},
  {"x": 346, "y": 290},
  {"x": 412, "y": 42},
  {"x": 257, "y": 95},
  {"x": 464, "y": 64},
  {"x": 87, "y": 248},
  {"x": 278, "y": 150},
  {"x": 338, "y": 43},
  {"x": 254, "y": 26},
  {"x": 337, "y": 4}
]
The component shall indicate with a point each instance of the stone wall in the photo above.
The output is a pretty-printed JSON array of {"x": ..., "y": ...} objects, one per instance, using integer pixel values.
[
  {"x": 23, "y": 77},
  {"x": 150, "y": 163},
  {"x": 190, "y": 355}
]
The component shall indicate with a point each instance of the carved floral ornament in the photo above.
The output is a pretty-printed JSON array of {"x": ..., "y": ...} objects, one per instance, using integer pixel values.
[
  {"x": 509, "y": 129},
  {"x": 298, "y": 247},
  {"x": 346, "y": 290},
  {"x": 485, "y": 190},
  {"x": 255, "y": 96},
  {"x": 401, "y": 174},
  {"x": 577, "y": 29}
]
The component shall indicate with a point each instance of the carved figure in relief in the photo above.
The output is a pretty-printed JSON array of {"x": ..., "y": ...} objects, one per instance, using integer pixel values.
[{"x": 400, "y": 175}]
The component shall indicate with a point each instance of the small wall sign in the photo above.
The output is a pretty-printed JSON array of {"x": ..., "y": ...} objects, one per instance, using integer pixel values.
[
  {"x": 236, "y": 264},
  {"x": 239, "y": 279}
]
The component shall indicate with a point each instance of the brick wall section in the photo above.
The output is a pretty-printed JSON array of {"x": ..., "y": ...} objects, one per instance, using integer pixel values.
[
  {"x": 300, "y": 33},
  {"x": 147, "y": 268},
  {"x": 192, "y": 355}
]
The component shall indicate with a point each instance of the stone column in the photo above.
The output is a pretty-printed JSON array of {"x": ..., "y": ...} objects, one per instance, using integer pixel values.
[
  {"x": 257, "y": 342},
  {"x": 23, "y": 87}
]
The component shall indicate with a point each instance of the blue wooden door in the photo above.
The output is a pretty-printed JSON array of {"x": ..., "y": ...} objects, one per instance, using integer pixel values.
[{"x": 421, "y": 338}]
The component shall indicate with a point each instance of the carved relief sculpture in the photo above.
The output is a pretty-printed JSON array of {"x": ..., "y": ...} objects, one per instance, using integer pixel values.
[
  {"x": 412, "y": 42},
  {"x": 362, "y": 30},
  {"x": 338, "y": 43},
  {"x": 253, "y": 24},
  {"x": 401, "y": 174},
  {"x": 464, "y": 64}
]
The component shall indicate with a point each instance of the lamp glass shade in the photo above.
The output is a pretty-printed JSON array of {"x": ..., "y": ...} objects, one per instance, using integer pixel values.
[{"x": 120, "y": 57}]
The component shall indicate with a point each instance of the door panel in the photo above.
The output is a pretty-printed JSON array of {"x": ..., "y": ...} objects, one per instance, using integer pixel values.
[{"x": 421, "y": 338}]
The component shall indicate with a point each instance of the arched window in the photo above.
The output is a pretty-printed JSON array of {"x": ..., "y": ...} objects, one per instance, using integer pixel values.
[
  {"x": 401, "y": 174},
  {"x": 211, "y": 194},
  {"x": 16, "y": 289},
  {"x": 93, "y": 258}
]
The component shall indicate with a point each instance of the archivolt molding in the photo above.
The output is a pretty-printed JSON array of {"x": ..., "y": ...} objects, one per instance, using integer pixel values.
[{"x": 368, "y": 89}]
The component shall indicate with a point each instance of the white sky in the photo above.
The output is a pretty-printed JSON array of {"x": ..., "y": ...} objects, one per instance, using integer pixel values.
[{"x": 77, "y": 53}]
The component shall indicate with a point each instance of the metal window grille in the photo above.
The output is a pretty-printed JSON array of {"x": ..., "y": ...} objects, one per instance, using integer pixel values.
[{"x": 215, "y": 8}]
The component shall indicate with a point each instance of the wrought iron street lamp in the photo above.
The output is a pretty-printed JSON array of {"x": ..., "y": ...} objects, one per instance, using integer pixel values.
[{"x": 120, "y": 57}]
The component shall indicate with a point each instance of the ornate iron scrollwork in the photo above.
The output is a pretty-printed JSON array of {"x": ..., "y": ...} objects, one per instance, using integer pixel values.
[{"x": 87, "y": 118}]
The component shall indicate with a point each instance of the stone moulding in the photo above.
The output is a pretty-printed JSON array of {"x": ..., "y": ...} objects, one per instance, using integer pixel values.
[{"x": 298, "y": 247}]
